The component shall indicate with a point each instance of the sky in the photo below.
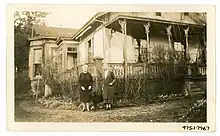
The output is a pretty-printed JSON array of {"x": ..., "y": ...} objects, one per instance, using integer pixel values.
[{"x": 68, "y": 17}]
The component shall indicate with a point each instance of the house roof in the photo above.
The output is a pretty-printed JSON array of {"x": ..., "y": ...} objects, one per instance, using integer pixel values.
[
  {"x": 60, "y": 40},
  {"x": 92, "y": 19},
  {"x": 45, "y": 31},
  {"x": 42, "y": 37},
  {"x": 200, "y": 19}
]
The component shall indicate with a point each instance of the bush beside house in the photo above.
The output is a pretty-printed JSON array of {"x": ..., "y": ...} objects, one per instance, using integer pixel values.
[{"x": 169, "y": 79}]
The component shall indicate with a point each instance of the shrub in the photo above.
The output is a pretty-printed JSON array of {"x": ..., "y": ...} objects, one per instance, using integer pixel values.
[
  {"x": 197, "y": 112},
  {"x": 50, "y": 74},
  {"x": 22, "y": 85},
  {"x": 172, "y": 69},
  {"x": 62, "y": 84},
  {"x": 68, "y": 82},
  {"x": 168, "y": 79},
  {"x": 22, "y": 82}
]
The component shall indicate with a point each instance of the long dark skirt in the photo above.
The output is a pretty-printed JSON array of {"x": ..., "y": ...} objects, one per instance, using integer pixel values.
[
  {"x": 108, "y": 94},
  {"x": 85, "y": 95}
]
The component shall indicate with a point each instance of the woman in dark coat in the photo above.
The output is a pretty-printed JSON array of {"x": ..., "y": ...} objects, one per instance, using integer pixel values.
[
  {"x": 108, "y": 88},
  {"x": 85, "y": 82}
]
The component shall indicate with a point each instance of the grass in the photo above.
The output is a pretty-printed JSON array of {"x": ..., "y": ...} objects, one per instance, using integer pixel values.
[{"x": 169, "y": 111}]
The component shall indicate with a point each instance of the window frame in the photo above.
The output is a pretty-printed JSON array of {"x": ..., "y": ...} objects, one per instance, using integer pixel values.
[
  {"x": 158, "y": 14},
  {"x": 34, "y": 56}
]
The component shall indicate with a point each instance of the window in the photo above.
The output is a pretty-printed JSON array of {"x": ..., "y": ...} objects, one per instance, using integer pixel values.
[
  {"x": 142, "y": 56},
  {"x": 71, "y": 49},
  {"x": 37, "y": 69},
  {"x": 37, "y": 61},
  {"x": 71, "y": 57},
  {"x": 71, "y": 60},
  {"x": 158, "y": 13},
  {"x": 183, "y": 15},
  {"x": 135, "y": 13},
  {"x": 89, "y": 43},
  {"x": 90, "y": 51},
  {"x": 53, "y": 53},
  {"x": 143, "y": 53},
  {"x": 37, "y": 55},
  {"x": 178, "y": 47},
  {"x": 186, "y": 13}
]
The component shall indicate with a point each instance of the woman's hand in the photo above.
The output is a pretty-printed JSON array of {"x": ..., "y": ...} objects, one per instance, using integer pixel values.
[
  {"x": 89, "y": 87},
  {"x": 83, "y": 88},
  {"x": 112, "y": 82}
]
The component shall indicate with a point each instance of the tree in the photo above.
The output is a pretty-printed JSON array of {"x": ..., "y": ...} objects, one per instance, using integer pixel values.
[{"x": 23, "y": 24}]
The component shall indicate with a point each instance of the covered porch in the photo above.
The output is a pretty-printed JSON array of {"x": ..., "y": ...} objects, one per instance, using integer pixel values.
[{"x": 149, "y": 33}]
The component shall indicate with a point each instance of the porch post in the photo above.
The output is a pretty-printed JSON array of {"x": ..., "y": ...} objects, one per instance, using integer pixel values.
[
  {"x": 104, "y": 47},
  {"x": 187, "y": 49},
  {"x": 123, "y": 24},
  {"x": 147, "y": 31},
  {"x": 65, "y": 57},
  {"x": 43, "y": 59},
  {"x": 169, "y": 36},
  {"x": 108, "y": 42},
  {"x": 187, "y": 40}
]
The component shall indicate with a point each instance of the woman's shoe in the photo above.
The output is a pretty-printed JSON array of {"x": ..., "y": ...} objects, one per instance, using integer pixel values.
[
  {"x": 83, "y": 107},
  {"x": 87, "y": 107},
  {"x": 93, "y": 108},
  {"x": 110, "y": 106},
  {"x": 106, "y": 107}
]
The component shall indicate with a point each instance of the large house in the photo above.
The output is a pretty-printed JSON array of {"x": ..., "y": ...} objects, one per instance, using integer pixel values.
[{"x": 120, "y": 39}]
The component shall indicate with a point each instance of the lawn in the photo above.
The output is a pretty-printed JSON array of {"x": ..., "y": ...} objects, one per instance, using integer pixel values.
[{"x": 169, "y": 111}]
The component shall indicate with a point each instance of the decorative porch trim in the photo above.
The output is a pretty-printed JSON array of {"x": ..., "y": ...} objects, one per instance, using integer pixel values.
[
  {"x": 169, "y": 34},
  {"x": 187, "y": 40},
  {"x": 155, "y": 20},
  {"x": 123, "y": 24},
  {"x": 147, "y": 31}
]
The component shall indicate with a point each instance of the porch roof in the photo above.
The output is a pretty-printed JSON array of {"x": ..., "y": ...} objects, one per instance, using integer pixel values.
[
  {"x": 155, "y": 20},
  {"x": 136, "y": 29},
  {"x": 88, "y": 23},
  {"x": 141, "y": 19}
]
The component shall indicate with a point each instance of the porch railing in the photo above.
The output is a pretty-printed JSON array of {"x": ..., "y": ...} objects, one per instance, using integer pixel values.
[
  {"x": 202, "y": 71},
  {"x": 152, "y": 68},
  {"x": 143, "y": 68},
  {"x": 198, "y": 70},
  {"x": 134, "y": 69}
]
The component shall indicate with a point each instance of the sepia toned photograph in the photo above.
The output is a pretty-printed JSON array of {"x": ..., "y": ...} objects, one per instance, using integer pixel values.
[{"x": 86, "y": 66}]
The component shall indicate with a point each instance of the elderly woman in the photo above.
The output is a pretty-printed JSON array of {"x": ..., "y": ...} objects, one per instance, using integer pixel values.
[
  {"x": 108, "y": 87},
  {"x": 85, "y": 82}
]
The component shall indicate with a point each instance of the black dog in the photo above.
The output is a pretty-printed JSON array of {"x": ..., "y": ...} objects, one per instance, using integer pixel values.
[{"x": 96, "y": 99}]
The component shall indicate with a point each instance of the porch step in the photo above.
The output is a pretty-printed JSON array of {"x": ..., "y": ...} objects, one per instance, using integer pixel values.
[
  {"x": 195, "y": 90},
  {"x": 197, "y": 93},
  {"x": 193, "y": 86}
]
